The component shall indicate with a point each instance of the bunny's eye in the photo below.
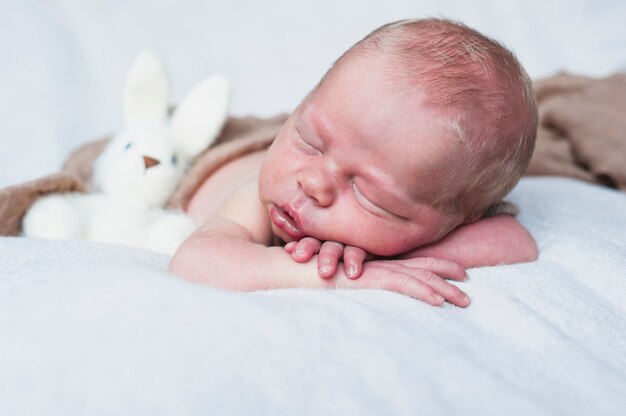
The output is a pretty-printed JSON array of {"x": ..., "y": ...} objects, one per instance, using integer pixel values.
[
  {"x": 128, "y": 145},
  {"x": 173, "y": 159}
]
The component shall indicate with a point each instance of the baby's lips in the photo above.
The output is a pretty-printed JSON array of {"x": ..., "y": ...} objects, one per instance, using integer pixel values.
[
  {"x": 284, "y": 221},
  {"x": 293, "y": 215}
]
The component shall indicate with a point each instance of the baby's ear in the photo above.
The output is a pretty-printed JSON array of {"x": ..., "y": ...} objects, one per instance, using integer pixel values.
[
  {"x": 146, "y": 91},
  {"x": 199, "y": 117}
]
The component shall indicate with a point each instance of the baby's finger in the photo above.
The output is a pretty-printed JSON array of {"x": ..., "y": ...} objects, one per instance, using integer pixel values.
[
  {"x": 450, "y": 292},
  {"x": 441, "y": 267},
  {"x": 330, "y": 253},
  {"x": 290, "y": 246},
  {"x": 353, "y": 258},
  {"x": 305, "y": 249},
  {"x": 407, "y": 284}
]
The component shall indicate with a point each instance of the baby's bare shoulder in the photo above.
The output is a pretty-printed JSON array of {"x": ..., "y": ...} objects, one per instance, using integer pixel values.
[
  {"x": 244, "y": 207},
  {"x": 218, "y": 187}
]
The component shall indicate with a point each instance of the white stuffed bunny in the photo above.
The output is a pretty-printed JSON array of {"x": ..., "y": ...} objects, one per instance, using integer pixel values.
[{"x": 139, "y": 168}]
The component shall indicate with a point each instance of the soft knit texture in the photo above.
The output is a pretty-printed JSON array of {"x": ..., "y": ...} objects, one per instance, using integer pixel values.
[{"x": 93, "y": 328}]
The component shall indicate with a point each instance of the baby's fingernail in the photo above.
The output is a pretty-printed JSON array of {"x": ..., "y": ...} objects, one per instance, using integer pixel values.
[
  {"x": 325, "y": 266},
  {"x": 466, "y": 298},
  {"x": 298, "y": 251},
  {"x": 351, "y": 270}
]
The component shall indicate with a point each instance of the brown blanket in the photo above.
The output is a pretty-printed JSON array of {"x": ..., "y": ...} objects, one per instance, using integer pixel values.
[
  {"x": 582, "y": 134},
  {"x": 582, "y": 129}
]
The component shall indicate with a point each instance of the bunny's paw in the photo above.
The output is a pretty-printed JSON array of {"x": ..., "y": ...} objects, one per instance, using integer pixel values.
[{"x": 53, "y": 217}]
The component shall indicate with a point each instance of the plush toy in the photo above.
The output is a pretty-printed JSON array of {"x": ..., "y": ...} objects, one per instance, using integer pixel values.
[{"x": 139, "y": 168}]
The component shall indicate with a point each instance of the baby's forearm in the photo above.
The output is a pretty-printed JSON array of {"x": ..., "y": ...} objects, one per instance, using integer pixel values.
[
  {"x": 237, "y": 264},
  {"x": 227, "y": 255},
  {"x": 487, "y": 242}
]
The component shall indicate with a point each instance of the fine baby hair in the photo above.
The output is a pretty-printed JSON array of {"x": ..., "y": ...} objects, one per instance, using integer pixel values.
[
  {"x": 486, "y": 95},
  {"x": 140, "y": 167}
]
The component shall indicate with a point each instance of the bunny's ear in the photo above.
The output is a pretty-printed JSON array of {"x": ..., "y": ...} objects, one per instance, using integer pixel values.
[
  {"x": 200, "y": 116},
  {"x": 146, "y": 94}
]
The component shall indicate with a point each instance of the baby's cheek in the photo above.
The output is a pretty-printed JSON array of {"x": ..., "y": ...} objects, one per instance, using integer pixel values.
[{"x": 391, "y": 240}]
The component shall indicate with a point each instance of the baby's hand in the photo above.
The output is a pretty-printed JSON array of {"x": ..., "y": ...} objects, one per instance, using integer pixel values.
[
  {"x": 330, "y": 254},
  {"x": 419, "y": 277}
]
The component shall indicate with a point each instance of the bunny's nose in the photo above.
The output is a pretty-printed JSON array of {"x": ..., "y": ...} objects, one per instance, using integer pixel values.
[{"x": 149, "y": 162}]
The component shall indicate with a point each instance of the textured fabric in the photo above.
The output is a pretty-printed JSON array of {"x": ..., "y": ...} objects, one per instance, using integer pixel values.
[
  {"x": 582, "y": 129},
  {"x": 94, "y": 328},
  {"x": 15, "y": 200}
]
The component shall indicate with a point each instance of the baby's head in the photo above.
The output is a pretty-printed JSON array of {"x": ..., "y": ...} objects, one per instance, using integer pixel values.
[{"x": 416, "y": 129}]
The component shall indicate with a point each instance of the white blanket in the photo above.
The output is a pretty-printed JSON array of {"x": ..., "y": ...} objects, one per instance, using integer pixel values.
[{"x": 88, "y": 328}]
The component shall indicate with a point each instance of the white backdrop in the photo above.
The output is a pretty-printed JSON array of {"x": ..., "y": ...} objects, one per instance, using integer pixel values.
[{"x": 62, "y": 62}]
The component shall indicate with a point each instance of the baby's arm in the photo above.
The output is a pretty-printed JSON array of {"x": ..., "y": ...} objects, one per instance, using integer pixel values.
[
  {"x": 221, "y": 255},
  {"x": 486, "y": 242},
  {"x": 230, "y": 251}
]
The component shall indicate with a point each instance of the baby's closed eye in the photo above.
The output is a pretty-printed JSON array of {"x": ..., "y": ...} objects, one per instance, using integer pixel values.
[
  {"x": 367, "y": 204},
  {"x": 305, "y": 146}
]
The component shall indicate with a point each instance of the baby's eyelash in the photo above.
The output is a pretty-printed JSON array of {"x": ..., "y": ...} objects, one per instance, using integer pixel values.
[
  {"x": 366, "y": 203},
  {"x": 373, "y": 208},
  {"x": 306, "y": 147}
]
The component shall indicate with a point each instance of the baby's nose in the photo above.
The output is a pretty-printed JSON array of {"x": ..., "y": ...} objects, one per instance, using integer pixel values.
[
  {"x": 150, "y": 162},
  {"x": 317, "y": 185}
]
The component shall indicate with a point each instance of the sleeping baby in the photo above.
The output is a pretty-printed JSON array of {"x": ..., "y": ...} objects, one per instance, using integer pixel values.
[{"x": 381, "y": 177}]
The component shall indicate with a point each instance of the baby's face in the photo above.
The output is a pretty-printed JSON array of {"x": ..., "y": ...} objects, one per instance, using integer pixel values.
[{"x": 360, "y": 164}]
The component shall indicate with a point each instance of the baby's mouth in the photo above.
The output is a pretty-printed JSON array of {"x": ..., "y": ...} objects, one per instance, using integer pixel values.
[{"x": 285, "y": 222}]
